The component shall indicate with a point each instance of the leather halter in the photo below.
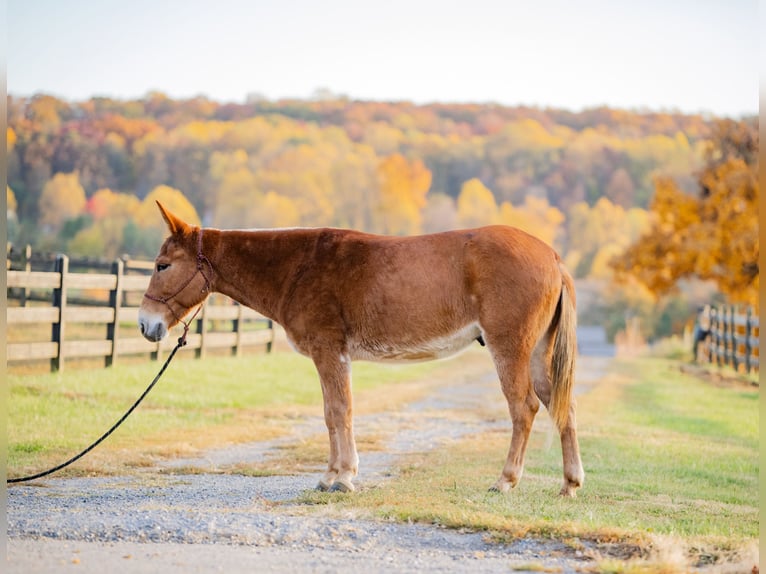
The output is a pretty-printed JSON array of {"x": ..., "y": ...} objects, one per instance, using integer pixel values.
[{"x": 202, "y": 260}]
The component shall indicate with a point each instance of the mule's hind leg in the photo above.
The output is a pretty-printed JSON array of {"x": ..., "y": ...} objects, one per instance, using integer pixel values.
[
  {"x": 570, "y": 449},
  {"x": 343, "y": 462},
  {"x": 515, "y": 381}
]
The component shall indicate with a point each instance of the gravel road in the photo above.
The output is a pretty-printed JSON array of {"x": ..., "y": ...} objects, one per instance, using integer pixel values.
[{"x": 208, "y": 522}]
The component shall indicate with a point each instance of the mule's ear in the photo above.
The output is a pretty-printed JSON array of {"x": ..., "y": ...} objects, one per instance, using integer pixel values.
[{"x": 175, "y": 224}]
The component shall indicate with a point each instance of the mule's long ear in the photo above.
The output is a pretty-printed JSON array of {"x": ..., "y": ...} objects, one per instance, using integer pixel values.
[{"x": 175, "y": 224}]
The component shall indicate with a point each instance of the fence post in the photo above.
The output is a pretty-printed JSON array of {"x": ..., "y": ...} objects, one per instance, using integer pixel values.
[
  {"x": 712, "y": 350},
  {"x": 733, "y": 360},
  {"x": 115, "y": 302},
  {"x": 27, "y": 269},
  {"x": 199, "y": 352},
  {"x": 59, "y": 300},
  {"x": 270, "y": 344},
  {"x": 237, "y": 328},
  {"x": 725, "y": 334},
  {"x": 749, "y": 349}
]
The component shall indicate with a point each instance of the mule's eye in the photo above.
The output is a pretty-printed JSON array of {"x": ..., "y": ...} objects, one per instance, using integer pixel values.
[{"x": 162, "y": 266}]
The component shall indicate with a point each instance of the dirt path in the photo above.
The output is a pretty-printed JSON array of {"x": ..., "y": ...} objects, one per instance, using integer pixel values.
[{"x": 202, "y": 521}]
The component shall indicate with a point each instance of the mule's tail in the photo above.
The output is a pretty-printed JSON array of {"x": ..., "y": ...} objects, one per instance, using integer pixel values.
[{"x": 564, "y": 353}]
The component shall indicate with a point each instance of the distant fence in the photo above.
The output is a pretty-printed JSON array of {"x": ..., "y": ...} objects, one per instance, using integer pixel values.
[
  {"x": 733, "y": 339},
  {"x": 63, "y": 313}
]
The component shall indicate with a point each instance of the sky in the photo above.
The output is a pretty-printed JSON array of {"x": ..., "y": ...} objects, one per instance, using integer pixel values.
[{"x": 690, "y": 56}]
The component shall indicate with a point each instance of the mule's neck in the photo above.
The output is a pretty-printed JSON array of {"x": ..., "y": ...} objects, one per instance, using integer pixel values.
[{"x": 254, "y": 267}]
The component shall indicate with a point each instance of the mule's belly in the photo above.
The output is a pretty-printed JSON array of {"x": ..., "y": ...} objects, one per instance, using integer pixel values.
[{"x": 420, "y": 350}]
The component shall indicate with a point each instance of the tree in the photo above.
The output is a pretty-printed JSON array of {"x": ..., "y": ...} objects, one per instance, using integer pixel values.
[
  {"x": 10, "y": 200},
  {"x": 109, "y": 214},
  {"x": 148, "y": 216},
  {"x": 274, "y": 210},
  {"x": 620, "y": 188},
  {"x": 10, "y": 139},
  {"x": 62, "y": 198},
  {"x": 476, "y": 206},
  {"x": 713, "y": 235},
  {"x": 233, "y": 188},
  {"x": 403, "y": 188},
  {"x": 440, "y": 213},
  {"x": 535, "y": 216},
  {"x": 11, "y": 219}
]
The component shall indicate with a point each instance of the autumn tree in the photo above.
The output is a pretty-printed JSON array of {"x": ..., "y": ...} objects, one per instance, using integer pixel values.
[
  {"x": 232, "y": 189},
  {"x": 10, "y": 200},
  {"x": 535, "y": 216},
  {"x": 476, "y": 206},
  {"x": 11, "y": 219},
  {"x": 712, "y": 235},
  {"x": 110, "y": 214},
  {"x": 62, "y": 198},
  {"x": 598, "y": 233},
  {"x": 173, "y": 199},
  {"x": 440, "y": 213},
  {"x": 403, "y": 187}
]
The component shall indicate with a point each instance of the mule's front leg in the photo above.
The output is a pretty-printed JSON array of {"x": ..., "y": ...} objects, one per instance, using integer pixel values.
[{"x": 335, "y": 376}]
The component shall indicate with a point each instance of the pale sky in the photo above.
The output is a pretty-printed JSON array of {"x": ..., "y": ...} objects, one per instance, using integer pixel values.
[{"x": 686, "y": 55}]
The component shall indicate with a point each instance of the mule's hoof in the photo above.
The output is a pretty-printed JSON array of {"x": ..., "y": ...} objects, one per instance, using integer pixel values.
[
  {"x": 342, "y": 486},
  {"x": 322, "y": 487},
  {"x": 568, "y": 491},
  {"x": 500, "y": 487}
]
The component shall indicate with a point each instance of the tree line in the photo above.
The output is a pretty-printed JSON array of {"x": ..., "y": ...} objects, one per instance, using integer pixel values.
[
  {"x": 383, "y": 167},
  {"x": 83, "y": 176}
]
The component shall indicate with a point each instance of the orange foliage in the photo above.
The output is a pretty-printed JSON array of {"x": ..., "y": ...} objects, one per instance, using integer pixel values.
[
  {"x": 713, "y": 235},
  {"x": 403, "y": 189}
]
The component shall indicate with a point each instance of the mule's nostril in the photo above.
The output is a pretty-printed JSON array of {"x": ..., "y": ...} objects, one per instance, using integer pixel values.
[{"x": 143, "y": 329}]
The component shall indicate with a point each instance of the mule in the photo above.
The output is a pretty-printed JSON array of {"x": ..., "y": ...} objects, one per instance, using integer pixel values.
[{"x": 343, "y": 295}]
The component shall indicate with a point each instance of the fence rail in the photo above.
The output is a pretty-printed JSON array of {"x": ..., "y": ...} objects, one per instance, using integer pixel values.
[
  {"x": 109, "y": 302},
  {"x": 733, "y": 338}
]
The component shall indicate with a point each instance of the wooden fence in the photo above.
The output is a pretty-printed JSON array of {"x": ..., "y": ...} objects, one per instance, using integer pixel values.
[
  {"x": 733, "y": 339},
  {"x": 62, "y": 303}
]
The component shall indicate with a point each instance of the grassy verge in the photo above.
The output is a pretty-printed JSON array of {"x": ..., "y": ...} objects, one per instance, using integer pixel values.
[
  {"x": 197, "y": 405},
  {"x": 671, "y": 460},
  {"x": 671, "y": 463}
]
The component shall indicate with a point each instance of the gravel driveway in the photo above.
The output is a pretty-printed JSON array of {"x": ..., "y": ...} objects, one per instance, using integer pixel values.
[{"x": 209, "y": 522}]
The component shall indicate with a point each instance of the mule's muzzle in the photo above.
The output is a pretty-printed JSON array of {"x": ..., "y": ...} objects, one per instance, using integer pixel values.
[{"x": 152, "y": 330}]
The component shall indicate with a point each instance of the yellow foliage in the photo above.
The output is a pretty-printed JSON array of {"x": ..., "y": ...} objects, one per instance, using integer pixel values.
[
  {"x": 10, "y": 138},
  {"x": 62, "y": 198},
  {"x": 476, "y": 206},
  {"x": 233, "y": 189},
  {"x": 536, "y": 216},
  {"x": 10, "y": 199},
  {"x": 106, "y": 203},
  {"x": 529, "y": 135},
  {"x": 403, "y": 188},
  {"x": 148, "y": 215},
  {"x": 274, "y": 210},
  {"x": 713, "y": 235}
]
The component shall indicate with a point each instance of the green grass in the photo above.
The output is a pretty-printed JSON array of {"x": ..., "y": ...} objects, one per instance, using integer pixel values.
[
  {"x": 195, "y": 405},
  {"x": 666, "y": 456}
]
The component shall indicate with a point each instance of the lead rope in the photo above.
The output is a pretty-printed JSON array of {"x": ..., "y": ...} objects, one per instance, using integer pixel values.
[{"x": 181, "y": 343}]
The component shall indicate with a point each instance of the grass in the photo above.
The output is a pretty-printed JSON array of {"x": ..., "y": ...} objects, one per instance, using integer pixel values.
[
  {"x": 667, "y": 458},
  {"x": 671, "y": 460},
  {"x": 196, "y": 405}
]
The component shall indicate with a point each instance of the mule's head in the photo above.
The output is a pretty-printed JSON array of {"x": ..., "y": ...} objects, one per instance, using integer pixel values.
[{"x": 180, "y": 281}]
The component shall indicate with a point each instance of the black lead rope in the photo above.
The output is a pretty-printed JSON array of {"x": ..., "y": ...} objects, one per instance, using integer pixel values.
[{"x": 181, "y": 343}]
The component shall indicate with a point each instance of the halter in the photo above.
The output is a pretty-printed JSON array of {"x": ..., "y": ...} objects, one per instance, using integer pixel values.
[{"x": 202, "y": 260}]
